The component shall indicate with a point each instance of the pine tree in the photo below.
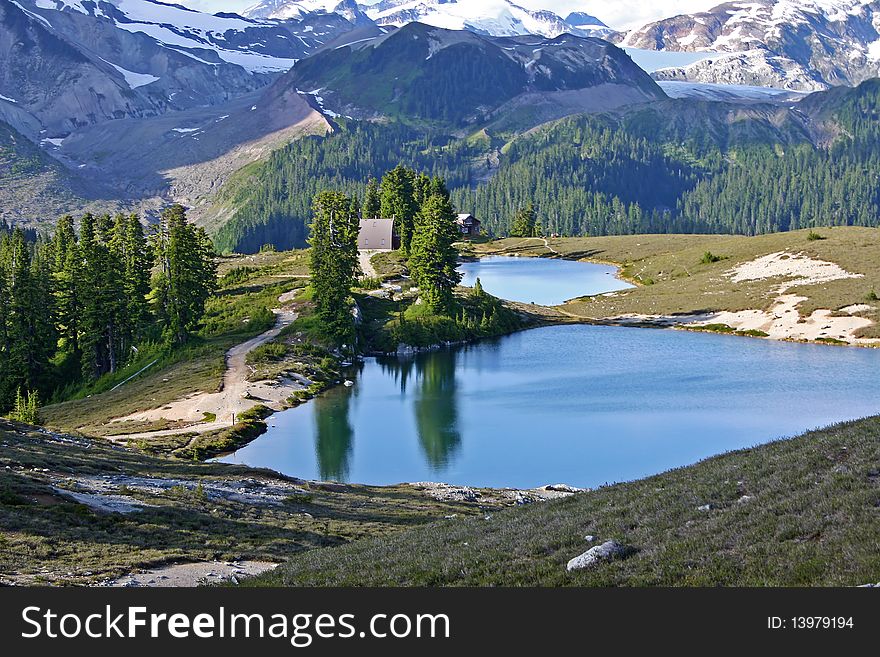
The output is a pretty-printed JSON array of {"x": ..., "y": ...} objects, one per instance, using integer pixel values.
[
  {"x": 30, "y": 332},
  {"x": 433, "y": 259},
  {"x": 67, "y": 274},
  {"x": 129, "y": 248},
  {"x": 524, "y": 223},
  {"x": 186, "y": 274},
  {"x": 478, "y": 292},
  {"x": 334, "y": 262},
  {"x": 372, "y": 200},
  {"x": 398, "y": 203}
]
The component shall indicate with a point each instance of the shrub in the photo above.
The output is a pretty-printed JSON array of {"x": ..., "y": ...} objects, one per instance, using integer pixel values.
[
  {"x": 710, "y": 258},
  {"x": 237, "y": 275},
  {"x": 261, "y": 320},
  {"x": 814, "y": 236},
  {"x": 271, "y": 351},
  {"x": 27, "y": 407}
]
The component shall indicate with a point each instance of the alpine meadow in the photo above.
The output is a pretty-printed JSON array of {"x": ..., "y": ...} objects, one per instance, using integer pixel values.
[{"x": 386, "y": 297}]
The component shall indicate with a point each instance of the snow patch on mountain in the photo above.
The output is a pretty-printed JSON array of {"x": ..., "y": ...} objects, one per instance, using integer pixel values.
[
  {"x": 489, "y": 17},
  {"x": 290, "y": 9},
  {"x": 133, "y": 79}
]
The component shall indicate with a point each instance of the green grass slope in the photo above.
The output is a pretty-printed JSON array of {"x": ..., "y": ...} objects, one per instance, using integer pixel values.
[{"x": 802, "y": 512}]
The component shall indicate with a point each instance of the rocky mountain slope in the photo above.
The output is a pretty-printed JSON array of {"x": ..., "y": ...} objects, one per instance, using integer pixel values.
[
  {"x": 67, "y": 64},
  {"x": 427, "y": 73},
  {"x": 803, "y": 45}
]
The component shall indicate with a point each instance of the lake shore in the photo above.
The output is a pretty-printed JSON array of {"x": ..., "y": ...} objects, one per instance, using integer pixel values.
[{"x": 788, "y": 287}]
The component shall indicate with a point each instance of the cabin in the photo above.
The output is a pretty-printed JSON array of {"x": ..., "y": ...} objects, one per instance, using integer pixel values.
[
  {"x": 469, "y": 225},
  {"x": 378, "y": 235}
]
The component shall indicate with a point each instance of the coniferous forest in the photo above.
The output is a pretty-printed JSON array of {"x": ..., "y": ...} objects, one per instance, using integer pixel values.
[
  {"x": 646, "y": 172},
  {"x": 76, "y": 305}
]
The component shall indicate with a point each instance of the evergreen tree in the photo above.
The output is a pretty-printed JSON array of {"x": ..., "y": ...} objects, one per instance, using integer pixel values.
[
  {"x": 30, "y": 333},
  {"x": 398, "y": 203},
  {"x": 129, "y": 247},
  {"x": 433, "y": 259},
  {"x": 372, "y": 200},
  {"x": 185, "y": 277},
  {"x": 524, "y": 223},
  {"x": 334, "y": 262},
  {"x": 67, "y": 280}
]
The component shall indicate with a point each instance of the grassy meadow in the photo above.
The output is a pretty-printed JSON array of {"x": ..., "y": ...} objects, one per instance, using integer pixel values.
[
  {"x": 800, "y": 512},
  {"x": 673, "y": 278}
]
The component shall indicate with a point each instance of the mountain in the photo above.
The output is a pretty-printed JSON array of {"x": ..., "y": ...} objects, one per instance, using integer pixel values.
[
  {"x": 456, "y": 77},
  {"x": 66, "y": 64},
  {"x": 489, "y": 17},
  {"x": 673, "y": 165},
  {"x": 802, "y": 45},
  {"x": 288, "y": 9}
]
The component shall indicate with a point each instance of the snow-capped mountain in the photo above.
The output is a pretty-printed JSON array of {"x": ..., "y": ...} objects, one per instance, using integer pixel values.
[
  {"x": 299, "y": 9},
  {"x": 65, "y": 64},
  {"x": 791, "y": 44},
  {"x": 489, "y": 17}
]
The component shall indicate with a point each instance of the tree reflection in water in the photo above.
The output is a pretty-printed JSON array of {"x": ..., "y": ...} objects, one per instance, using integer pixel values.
[{"x": 434, "y": 402}]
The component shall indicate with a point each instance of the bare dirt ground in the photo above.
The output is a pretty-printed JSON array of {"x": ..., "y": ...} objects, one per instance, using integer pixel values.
[
  {"x": 236, "y": 395},
  {"x": 193, "y": 574},
  {"x": 366, "y": 261},
  {"x": 783, "y": 320}
]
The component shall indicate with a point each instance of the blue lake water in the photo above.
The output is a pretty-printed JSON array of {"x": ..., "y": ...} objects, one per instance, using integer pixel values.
[
  {"x": 540, "y": 280},
  {"x": 583, "y": 405}
]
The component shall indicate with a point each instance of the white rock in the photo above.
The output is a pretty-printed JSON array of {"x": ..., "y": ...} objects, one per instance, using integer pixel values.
[{"x": 608, "y": 551}]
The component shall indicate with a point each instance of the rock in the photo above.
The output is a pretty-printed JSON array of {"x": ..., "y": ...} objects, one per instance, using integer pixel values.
[
  {"x": 706, "y": 507},
  {"x": 745, "y": 498},
  {"x": 562, "y": 488},
  {"x": 589, "y": 538},
  {"x": 349, "y": 384},
  {"x": 608, "y": 551}
]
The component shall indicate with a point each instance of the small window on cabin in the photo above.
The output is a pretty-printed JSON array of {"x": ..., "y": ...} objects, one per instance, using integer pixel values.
[
  {"x": 367, "y": 241},
  {"x": 383, "y": 242}
]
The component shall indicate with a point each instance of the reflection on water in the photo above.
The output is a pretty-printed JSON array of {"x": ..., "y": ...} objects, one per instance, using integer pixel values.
[
  {"x": 334, "y": 435},
  {"x": 434, "y": 403}
]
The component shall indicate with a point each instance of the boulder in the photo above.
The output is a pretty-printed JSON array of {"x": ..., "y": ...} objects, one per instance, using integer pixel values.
[{"x": 608, "y": 551}]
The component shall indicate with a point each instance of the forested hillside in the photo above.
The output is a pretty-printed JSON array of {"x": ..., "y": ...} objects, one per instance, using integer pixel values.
[
  {"x": 677, "y": 166},
  {"x": 77, "y": 306}
]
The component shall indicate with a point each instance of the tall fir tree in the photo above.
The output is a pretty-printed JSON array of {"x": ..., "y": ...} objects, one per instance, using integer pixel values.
[
  {"x": 67, "y": 278},
  {"x": 398, "y": 203},
  {"x": 186, "y": 274},
  {"x": 372, "y": 200},
  {"x": 434, "y": 259},
  {"x": 30, "y": 331},
  {"x": 525, "y": 223},
  {"x": 334, "y": 262}
]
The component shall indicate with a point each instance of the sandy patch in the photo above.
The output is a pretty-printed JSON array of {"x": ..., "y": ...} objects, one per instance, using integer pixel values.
[
  {"x": 194, "y": 574},
  {"x": 856, "y": 309},
  {"x": 236, "y": 395},
  {"x": 784, "y": 322},
  {"x": 798, "y": 268}
]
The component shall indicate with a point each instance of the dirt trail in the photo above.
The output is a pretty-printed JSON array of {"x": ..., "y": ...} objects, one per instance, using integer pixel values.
[
  {"x": 236, "y": 395},
  {"x": 366, "y": 260}
]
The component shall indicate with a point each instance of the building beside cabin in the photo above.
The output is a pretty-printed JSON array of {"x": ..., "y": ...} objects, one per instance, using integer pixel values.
[
  {"x": 378, "y": 235},
  {"x": 469, "y": 225}
]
